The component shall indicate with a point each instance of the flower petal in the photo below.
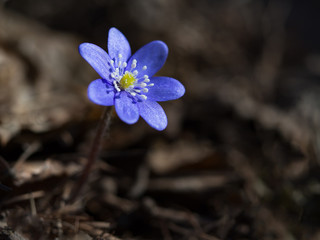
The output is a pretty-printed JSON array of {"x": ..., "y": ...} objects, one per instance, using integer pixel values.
[
  {"x": 153, "y": 114},
  {"x": 126, "y": 109},
  {"x": 100, "y": 92},
  {"x": 97, "y": 58},
  {"x": 153, "y": 55},
  {"x": 118, "y": 44},
  {"x": 165, "y": 89}
]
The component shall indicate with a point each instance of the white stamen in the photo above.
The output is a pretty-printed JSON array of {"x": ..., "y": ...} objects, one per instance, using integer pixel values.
[
  {"x": 116, "y": 86},
  {"x": 151, "y": 84},
  {"x": 143, "y": 84},
  {"x": 146, "y": 80},
  {"x": 135, "y": 72},
  {"x": 144, "y": 67},
  {"x": 111, "y": 62},
  {"x": 137, "y": 90},
  {"x": 144, "y": 97},
  {"x": 120, "y": 55},
  {"x": 134, "y": 63},
  {"x": 124, "y": 64},
  {"x": 145, "y": 90},
  {"x": 133, "y": 94}
]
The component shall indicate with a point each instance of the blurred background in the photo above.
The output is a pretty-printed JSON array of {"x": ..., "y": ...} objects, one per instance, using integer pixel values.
[{"x": 238, "y": 160}]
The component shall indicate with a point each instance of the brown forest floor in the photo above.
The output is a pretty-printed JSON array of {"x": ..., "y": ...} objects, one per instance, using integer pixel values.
[{"x": 238, "y": 161}]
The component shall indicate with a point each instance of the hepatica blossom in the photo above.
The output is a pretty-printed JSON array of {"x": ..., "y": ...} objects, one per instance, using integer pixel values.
[{"x": 127, "y": 80}]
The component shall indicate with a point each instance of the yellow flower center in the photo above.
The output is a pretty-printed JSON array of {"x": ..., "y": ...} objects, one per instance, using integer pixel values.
[{"x": 127, "y": 80}]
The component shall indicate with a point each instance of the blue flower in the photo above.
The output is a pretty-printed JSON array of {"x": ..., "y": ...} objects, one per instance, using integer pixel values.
[{"x": 127, "y": 80}]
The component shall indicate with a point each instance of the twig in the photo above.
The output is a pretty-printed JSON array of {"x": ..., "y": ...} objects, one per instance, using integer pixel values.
[
  {"x": 25, "y": 197},
  {"x": 32, "y": 148},
  {"x": 33, "y": 205}
]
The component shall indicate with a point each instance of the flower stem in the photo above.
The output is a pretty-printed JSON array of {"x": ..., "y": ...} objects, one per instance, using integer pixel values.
[{"x": 103, "y": 127}]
